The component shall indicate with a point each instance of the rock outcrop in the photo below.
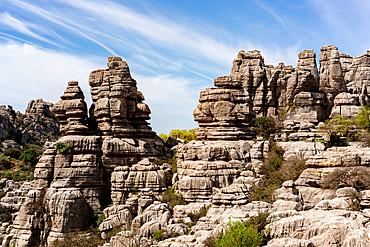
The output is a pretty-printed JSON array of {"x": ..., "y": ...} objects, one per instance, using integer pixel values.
[
  {"x": 37, "y": 125},
  {"x": 73, "y": 177}
]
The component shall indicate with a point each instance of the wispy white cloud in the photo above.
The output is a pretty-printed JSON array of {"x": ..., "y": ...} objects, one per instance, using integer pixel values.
[
  {"x": 271, "y": 11},
  {"x": 89, "y": 32},
  {"x": 22, "y": 27}
]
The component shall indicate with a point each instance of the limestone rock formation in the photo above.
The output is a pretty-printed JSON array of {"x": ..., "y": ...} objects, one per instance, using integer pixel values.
[
  {"x": 118, "y": 106},
  {"x": 320, "y": 228},
  {"x": 73, "y": 177},
  {"x": 36, "y": 125},
  {"x": 72, "y": 111}
]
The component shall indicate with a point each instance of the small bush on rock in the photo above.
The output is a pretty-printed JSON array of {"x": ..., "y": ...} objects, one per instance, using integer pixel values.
[
  {"x": 13, "y": 153},
  {"x": 158, "y": 235},
  {"x": 339, "y": 131},
  {"x": 5, "y": 163},
  {"x": 276, "y": 171},
  {"x": 195, "y": 217},
  {"x": 29, "y": 156},
  {"x": 265, "y": 126},
  {"x": 39, "y": 150},
  {"x": 245, "y": 234},
  {"x": 98, "y": 218},
  {"x": 61, "y": 147},
  {"x": 171, "y": 198},
  {"x": 356, "y": 177},
  {"x": 363, "y": 118},
  {"x": 240, "y": 234}
]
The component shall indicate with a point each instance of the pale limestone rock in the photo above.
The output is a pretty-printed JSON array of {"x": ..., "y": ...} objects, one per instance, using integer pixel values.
[
  {"x": 345, "y": 104},
  {"x": 301, "y": 150},
  {"x": 181, "y": 212},
  {"x": 203, "y": 165},
  {"x": 319, "y": 228},
  {"x": 331, "y": 75},
  {"x": 174, "y": 230},
  {"x": 149, "y": 228},
  {"x": 37, "y": 125},
  {"x": 72, "y": 111},
  {"x": 124, "y": 239},
  {"x": 158, "y": 212}
]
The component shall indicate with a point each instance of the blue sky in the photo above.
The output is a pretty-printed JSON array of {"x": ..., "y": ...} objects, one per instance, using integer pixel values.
[{"x": 174, "y": 48}]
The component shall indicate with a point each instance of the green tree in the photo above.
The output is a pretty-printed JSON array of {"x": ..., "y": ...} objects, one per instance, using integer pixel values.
[
  {"x": 13, "y": 153},
  {"x": 240, "y": 234},
  {"x": 265, "y": 126},
  {"x": 363, "y": 118},
  {"x": 29, "y": 156},
  {"x": 339, "y": 131},
  {"x": 186, "y": 135}
]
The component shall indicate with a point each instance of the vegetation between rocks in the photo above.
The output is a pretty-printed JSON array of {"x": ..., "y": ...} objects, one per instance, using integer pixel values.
[
  {"x": 276, "y": 171},
  {"x": 61, "y": 147},
  {"x": 172, "y": 198},
  {"x": 185, "y": 135},
  {"x": 245, "y": 234}
]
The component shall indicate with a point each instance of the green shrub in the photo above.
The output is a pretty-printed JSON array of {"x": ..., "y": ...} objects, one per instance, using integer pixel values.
[
  {"x": 157, "y": 235},
  {"x": 5, "y": 164},
  {"x": 173, "y": 163},
  {"x": 195, "y": 217},
  {"x": 339, "y": 131},
  {"x": 357, "y": 177},
  {"x": 61, "y": 147},
  {"x": 13, "y": 153},
  {"x": 29, "y": 156},
  {"x": 170, "y": 196},
  {"x": 265, "y": 126},
  {"x": 9, "y": 175},
  {"x": 185, "y": 135},
  {"x": 13, "y": 135},
  {"x": 363, "y": 118},
  {"x": 39, "y": 150},
  {"x": 240, "y": 234},
  {"x": 245, "y": 234},
  {"x": 98, "y": 218},
  {"x": 134, "y": 189},
  {"x": 276, "y": 171}
]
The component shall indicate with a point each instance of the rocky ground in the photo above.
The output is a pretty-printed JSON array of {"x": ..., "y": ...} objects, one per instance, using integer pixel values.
[{"x": 275, "y": 149}]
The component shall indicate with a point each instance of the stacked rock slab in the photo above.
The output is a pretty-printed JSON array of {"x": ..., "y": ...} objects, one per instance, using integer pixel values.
[
  {"x": 272, "y": 89},
  {"x": 224, "y": 113},
  {"x": 72, "y": 111},
  {"x": 117, "y": 105},
  {"x": 331, "y": 74},
  {"x": 222, "y": 150},
  {"x": 73, "y": 175}
]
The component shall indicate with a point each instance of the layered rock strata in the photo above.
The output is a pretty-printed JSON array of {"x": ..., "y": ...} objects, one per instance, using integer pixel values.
[
  {"x": 37, "y": 125},
  {"x": 73, "y": 177}
]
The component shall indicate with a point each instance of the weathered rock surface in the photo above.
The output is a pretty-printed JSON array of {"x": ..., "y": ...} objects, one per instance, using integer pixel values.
[
  {"x": 73, "y": 176},
  {"x": 320, "y": 228},
  {"x": 36, "y": 125}
]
